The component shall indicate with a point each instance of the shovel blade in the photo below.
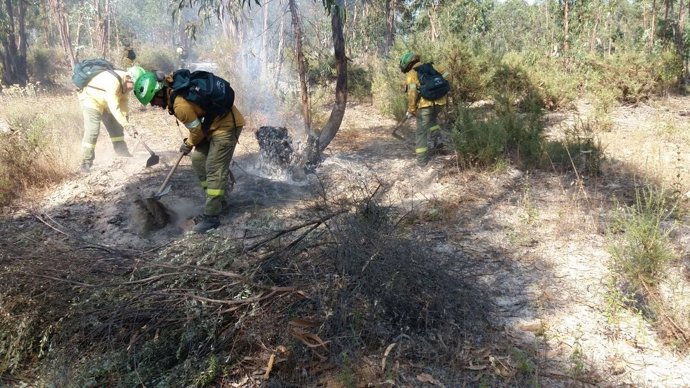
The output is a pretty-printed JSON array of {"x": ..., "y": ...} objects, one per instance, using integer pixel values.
[
  {"x": 152, "y": 160},
  {"x": 161, "y": 193}
]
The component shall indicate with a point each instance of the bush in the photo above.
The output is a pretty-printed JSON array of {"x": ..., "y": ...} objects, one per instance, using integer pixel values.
[
  {"x": 642, "y": 246},
  {"x": 42, "y": 65},
  {"x": 32, "y": 151},
  {"x": 492, "y": 136},
  {"x": 157, "y": 58}
]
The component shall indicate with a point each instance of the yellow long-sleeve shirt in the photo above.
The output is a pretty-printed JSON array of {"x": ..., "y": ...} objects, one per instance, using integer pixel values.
[
  {"x": 412, "y": 87},
  {"x": 105, "y": 92}
]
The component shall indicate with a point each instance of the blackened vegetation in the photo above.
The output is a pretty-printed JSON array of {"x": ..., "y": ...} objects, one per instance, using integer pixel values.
[
  {"x": 369, "y": 287},
  {"x": 340, "y": 285},
  {"x": 275, "y": 146}
]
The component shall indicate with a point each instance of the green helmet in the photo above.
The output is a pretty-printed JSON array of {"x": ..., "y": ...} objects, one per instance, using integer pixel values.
[
  {"x": 135, "y": 72},
  {"x": 407, "y": 60},
  {"x": 146, "y": 86}
]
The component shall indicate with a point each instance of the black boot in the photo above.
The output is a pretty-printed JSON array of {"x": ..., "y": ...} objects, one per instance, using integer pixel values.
[
  {"x": 207, "y": 223},
  {"x": 85, "y": 167},
  {"x": 121, "y": 149}
]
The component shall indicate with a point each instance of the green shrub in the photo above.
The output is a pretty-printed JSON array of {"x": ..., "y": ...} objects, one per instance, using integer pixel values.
[
  {"x": 388, "y": 89},
  {"x": 42, "y": 65},
  {"x": 490, "y": 137},
  {"x": 359, "y": 82},
  {"x": 640, "y": 242},
  {"x": 157, "y": 58}
]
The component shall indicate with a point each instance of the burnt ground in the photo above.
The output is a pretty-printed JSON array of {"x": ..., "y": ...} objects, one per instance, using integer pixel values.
[{"x": 530, "y": 245}]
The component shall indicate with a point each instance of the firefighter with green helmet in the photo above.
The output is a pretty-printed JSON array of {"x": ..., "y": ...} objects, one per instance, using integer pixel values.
[
  {"x": 425, "y": 110},
  {"x": 213, "y": 148}
]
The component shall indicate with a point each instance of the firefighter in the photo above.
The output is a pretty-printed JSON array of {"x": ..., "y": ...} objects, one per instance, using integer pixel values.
[
  {"x": 424, "y": 110},
  {"x": 105, "y": 99},
  {"x": 213, "y": 149}
]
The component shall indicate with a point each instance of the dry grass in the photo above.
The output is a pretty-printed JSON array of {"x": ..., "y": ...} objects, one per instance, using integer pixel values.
[{"x": 40, "y": 146}]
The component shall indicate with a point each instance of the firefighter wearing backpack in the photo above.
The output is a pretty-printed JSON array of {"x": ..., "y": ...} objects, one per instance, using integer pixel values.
[
  {"x": 105, "y": 98},
  {"x": 424, "y": 101},
  {"x": 213, "y": 146}
]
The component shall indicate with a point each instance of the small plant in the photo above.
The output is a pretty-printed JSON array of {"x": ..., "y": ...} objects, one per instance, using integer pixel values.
[{"x": 641, "y": 246}]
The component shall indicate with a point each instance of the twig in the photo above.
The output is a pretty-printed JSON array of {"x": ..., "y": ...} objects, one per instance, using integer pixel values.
[
  {"x": 294, "y": 228},
  {"x": 76, "y": 283},
  {"x": 258, "y": 298}
]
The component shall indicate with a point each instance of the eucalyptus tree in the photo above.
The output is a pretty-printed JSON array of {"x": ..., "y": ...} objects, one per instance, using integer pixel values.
[
  {"x": 14, "y": 38},
  {"x": 318, "y": 139}
]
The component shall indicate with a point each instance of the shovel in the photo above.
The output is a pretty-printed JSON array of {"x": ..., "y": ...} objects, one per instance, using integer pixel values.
[
  {"x": 165, "y": 188},
  {"x": 397, "y": 127},
  {"x": 153, "y": 159}
]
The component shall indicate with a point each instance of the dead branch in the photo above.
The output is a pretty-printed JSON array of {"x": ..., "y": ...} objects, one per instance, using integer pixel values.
[{"x": 280, "y": 233}]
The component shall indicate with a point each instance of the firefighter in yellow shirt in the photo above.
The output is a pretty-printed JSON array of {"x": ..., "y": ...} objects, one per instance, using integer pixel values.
[
  {"x": 425, "y": 110},
  {"x": 213, "y": 147},
  {"x": 105, "y": 99}
]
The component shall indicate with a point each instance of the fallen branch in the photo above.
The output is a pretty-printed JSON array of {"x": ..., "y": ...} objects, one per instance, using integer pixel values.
[{"x": 314, "y": 224}]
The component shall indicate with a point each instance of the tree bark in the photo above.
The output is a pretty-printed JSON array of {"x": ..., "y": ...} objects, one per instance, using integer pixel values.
[
  {"x": 281, "y": 42},
  {"x": 58, "y": 8},
  {"x": 653, "y": 26},
  {"x": 338, "y": 112},
  {"x": 566, "y": 46},
  {"x": 301, "y": 67},
  {"x": 14, "y": 45},
  {"x": 389, "y": 35}
]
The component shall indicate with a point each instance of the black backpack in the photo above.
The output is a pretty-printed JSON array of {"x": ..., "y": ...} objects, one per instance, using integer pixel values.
[
  {"x": 213, "y": 94},
  {"x": 432, "y": 85},
  {"x": 85, "y": 70}
]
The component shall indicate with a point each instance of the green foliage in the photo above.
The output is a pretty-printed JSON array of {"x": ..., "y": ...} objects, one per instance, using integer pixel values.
[
  {"x": 640, "y": 238},
  {"x": 157, "y": 58},
  {"x": 42, "y": 64},
  {"x": 555, "y": 79},
  {"x": 359, "y": 81},
  {"x": 388, "y": 89},
  {"x": 479, "y": 142},
  {"x": 489, "y": 135}
]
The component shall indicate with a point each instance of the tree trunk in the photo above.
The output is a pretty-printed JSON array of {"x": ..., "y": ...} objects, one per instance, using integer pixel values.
[
  {"x": 14, "y": 46},
  {"x": 338, "y": 112},
  {"x": 58, "y": 8},
  {"x": 301, "y": 68},
  {"x": 593, "y": 36},
  {"x": 653, "y": 26},
  {"x": 281, "y": 43},
  {"x": 389, "y": 35},
  {"x": 263, "y": 56},
  {"x": 566, "y": 46}
]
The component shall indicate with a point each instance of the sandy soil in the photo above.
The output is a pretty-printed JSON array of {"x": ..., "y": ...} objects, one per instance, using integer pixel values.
[{"x": 538, "y": 235}]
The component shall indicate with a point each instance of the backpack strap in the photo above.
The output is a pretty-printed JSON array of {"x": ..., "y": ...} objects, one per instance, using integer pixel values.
[{"x": 119, "y": 79}]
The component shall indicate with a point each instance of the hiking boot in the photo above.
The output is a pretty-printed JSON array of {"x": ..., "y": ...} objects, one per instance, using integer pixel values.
[
  {"x": 85, "y": 167},
  {"x": 123, "y": 153},
  {"x": 422, "y": 162},
  {"x": 207, "y": 223},
  {"x": 121, "y": 149}
]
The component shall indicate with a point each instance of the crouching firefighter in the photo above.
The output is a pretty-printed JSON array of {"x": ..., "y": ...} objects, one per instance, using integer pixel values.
[
  {"x": 105, "y": 99},
  {"x": 204, "y": 103}
]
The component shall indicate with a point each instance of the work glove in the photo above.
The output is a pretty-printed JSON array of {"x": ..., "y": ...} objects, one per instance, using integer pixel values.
[{"x": 185, "y": 148}]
